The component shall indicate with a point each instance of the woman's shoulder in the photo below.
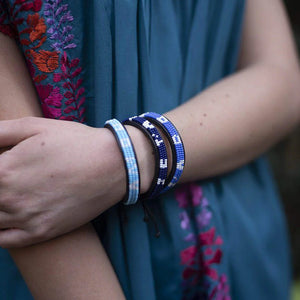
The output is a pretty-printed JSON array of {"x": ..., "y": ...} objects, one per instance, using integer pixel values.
[{"x": 47, "y": 34}]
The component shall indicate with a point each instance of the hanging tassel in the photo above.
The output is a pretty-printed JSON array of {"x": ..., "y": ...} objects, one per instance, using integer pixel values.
[{"x": 149, "y": 216}]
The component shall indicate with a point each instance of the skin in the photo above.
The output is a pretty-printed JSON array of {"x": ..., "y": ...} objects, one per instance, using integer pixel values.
[
  {"x": 74, "y": 266},
  {"x": 229, "y": 114}
]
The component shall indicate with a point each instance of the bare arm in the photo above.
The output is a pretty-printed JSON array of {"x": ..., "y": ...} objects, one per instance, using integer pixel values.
[
  {"x": 242, "y": 116},
  {"x": 224, "y": 127},
  {"x": 74, "y": 266}
]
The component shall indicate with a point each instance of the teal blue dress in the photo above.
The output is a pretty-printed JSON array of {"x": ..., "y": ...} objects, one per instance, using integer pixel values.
[{"x": 221, "y": 238}]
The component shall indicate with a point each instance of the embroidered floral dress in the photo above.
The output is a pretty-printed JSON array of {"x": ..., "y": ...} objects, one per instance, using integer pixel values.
[{"x": 221, "y": 238}]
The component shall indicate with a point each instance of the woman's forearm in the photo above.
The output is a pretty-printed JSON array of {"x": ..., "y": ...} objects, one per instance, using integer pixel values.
[
  {"x": 240, "y": 117},
  {"x": 73, "y": 266},
  {"x": 236, "y": 120}
]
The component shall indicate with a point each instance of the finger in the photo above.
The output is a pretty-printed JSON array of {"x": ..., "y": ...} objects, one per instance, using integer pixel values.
[
  {"x": 6, "y": 221},
  {"x": 12, "y": 238},
  {"x": 4, "y": 149},
  {"x": 15, "y": 131}
]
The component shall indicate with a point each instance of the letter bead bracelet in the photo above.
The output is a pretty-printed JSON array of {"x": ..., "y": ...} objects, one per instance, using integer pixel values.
[
  {"x": 161, "y": 164},
  {"x": 176, "y": 144},
  {"x": 149, "y": 123}
]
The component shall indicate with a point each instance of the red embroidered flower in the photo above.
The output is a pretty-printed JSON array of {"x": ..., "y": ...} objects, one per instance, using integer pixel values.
[
  {"x": 5, "y": 25},
  {"x": 37, "y": 27},
  {"x": 46, "y": 61}
]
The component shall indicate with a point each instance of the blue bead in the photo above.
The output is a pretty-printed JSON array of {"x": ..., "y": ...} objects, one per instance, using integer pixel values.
[
  {"x": 163, "y": 157},
  {"x": 175, "y": 142},
  {"x": 133, "y": 178}
]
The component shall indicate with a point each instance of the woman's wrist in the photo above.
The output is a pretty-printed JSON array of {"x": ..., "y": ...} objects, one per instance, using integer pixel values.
[
  {"x": 145, "y": 157},
  {"x": 114, "y": 158}
]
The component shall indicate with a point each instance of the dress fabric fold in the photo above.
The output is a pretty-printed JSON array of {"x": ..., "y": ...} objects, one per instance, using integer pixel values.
[{"x": 221, "y": 238}]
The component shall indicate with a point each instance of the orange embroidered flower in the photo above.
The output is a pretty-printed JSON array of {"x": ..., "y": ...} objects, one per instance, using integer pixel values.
[
  {"x": 37, "y": 26},
  {"x": 46, "y": 61}
]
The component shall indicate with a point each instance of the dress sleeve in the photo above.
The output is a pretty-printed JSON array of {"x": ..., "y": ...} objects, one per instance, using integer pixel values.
[{"x": 6, "y": 26}]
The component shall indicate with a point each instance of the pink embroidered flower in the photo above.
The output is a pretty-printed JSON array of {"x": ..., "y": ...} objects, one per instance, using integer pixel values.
[
  {"x": 181, "y": 196},
  {"x": 189, "y": 193},
  {"x": 210, "y": 272},
  {"x": 189, "y": 273},
  {"x": 44, "y": 91},
  {"x": 188, "y": 255},
  {"x": 203, "y": 218},
  {"x": 221, "y": 291},
  {"x": 201, "y": 259},
  {"x": 190, "y": 238},
  {"x": 208, "y": 237},
  {"x": 185, "y": 221},
  {"x": 54, "y": 98},
  {"x": 208, "y": 251},
  {"x": 197, "y": 193},
  {"x": 216, "y": 259},
  {"x": 51, "y": 99}
]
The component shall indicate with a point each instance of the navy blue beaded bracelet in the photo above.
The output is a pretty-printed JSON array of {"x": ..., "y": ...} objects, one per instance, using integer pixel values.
[
  {"x": 161, "y": 168},
  {"x": 176, "y": 144}
]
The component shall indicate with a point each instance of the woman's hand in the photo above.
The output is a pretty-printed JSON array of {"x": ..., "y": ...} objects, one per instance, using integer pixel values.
[
  {"x": 59, "y": 176},
  {"x": 60, "y": 268}
]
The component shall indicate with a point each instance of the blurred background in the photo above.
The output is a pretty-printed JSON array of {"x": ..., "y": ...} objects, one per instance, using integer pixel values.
[{"x": 285, "y": 161}]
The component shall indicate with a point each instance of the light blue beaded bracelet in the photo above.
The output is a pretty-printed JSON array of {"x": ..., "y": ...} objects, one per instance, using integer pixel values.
[
  {"x": 175, "y": 143},
  {"x": 130, "y": 161}
]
